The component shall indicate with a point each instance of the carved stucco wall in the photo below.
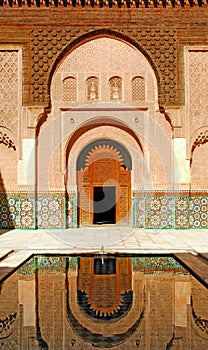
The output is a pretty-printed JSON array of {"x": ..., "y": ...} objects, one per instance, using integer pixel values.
[
  {"x": 9, "y": 84},
  {"x": 104, "y": 58},
  {"x": 197, "y": 87},
  {"x": 196, "y": 72},
  {"x": 56, "y": 171},
  {"x": 10, "y": 103},
  {"x": 158, "y": 45},
  {"x": 199, "y": 168},
  {"x": 197, "y": 113}
]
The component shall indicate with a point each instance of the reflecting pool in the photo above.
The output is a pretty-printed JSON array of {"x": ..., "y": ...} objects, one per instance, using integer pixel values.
[{"x": 88, "y": 302}]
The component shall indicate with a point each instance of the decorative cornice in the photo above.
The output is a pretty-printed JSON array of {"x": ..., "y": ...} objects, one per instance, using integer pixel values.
[{"x": 103, "y": 3}]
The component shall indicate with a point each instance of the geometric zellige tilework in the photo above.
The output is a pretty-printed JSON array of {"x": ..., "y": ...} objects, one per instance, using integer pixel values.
[
  {"x": 178, "y": 212},
  {"x": 160, "y": 212},
  {"x": 51, "y": 210},
  {"x": 17, "y": 211},
  {"x": 9, "y": 212},
  {"x": 27, "y": 213},
  {"x": 198, "y": 212},
  {"x": 139, "y": 207},
  {"x": 182, "y": 212}
]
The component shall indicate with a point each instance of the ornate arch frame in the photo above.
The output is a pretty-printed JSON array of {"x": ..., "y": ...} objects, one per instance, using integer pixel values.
[
  {"x": 125, "y": 186},
  {"x": 158, "y": 45},
  {"x": 100, "y": 33}
]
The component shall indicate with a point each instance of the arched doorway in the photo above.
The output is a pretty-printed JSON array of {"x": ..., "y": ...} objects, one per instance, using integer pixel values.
[
  {"x": 104, "y": 184},
  {"x": 90, "y": 98}
]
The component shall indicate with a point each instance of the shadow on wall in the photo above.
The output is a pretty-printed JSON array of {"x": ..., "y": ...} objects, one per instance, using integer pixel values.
[{"x": 7, "y": 216}]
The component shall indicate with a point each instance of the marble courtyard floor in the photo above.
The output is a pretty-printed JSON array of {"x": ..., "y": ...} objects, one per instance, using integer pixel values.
[{"x": 190, "y": 246}]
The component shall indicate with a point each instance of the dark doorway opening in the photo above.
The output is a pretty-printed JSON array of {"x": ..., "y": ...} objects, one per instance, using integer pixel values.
[
  {"x": 105, "y": 266},
  {"x": 104, "y": 205}
]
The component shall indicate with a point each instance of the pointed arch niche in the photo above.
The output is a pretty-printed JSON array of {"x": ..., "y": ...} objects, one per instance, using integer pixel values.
[
  {"x": 104, "y": 183},
  {"x": 109, "y": 79}
]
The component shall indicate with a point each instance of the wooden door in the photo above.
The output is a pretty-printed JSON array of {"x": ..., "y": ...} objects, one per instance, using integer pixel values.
[{"x": 104, "y": 172}]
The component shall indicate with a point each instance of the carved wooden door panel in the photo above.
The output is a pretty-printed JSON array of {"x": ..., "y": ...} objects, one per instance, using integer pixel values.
[
  {"x": 104, "y": 173},
  {"x": 124, "y": 201},
  {"x": 84, "y": 197}
]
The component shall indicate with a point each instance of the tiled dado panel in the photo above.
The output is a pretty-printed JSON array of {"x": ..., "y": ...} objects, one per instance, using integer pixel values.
[
  {"x": 45, "y": 264},
  {"x": 157, "y": 264},
  {"x": 160, "y": 212},
  {"x": 170, "y": 211},
  {"x": 17, "y": 210},
  {"x": 56, "y": 210},
  {"x": 198, "y": 212},
  {"x": 47, "y": 210},
  {"x": 51, "y": 210}
]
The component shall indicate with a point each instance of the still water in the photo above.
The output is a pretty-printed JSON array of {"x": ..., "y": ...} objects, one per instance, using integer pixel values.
[{"x": 89, "y": 302}]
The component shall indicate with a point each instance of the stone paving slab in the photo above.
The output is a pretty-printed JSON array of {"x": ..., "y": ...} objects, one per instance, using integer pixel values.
[
  {"x": 110, "y": 238},
  {"x": 24, "y": 243}
]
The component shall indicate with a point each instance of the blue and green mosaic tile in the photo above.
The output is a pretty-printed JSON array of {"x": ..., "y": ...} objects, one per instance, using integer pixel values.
[
  {"x": 182, "y": 212},
  {"x": 51, "y": 210},
  {"x": 198, "y": 212},
  {"x": 160, "y": 212}
]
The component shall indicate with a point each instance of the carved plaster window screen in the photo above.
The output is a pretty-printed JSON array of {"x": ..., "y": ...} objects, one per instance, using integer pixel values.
[
  {"x": 70, "y": 89},
  {"x": 138, "y": 89},
  {"x": 92, "y": 89},
  {"x": 115, "y": 89}
]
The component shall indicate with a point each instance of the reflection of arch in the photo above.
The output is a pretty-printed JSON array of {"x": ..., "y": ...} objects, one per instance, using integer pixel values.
[
  {"x": 97, "y": 333},
  {"x": 98, "y": 338},
  {"x": 200, "y": 323},
  {"x": 108, "y": 293},
  {"x": 7, "y": 325}
]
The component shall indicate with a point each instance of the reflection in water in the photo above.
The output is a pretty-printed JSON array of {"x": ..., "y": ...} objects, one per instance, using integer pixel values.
[{"x": 61, "y": 302}]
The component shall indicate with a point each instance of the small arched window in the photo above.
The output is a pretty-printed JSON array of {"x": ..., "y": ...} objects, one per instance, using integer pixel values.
[
  {"x": 138, "y": 89},
  {"x": 115, "y": 89},
  {"x": 70, "y": 89},
  {"x": 92, "y": 89}
]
